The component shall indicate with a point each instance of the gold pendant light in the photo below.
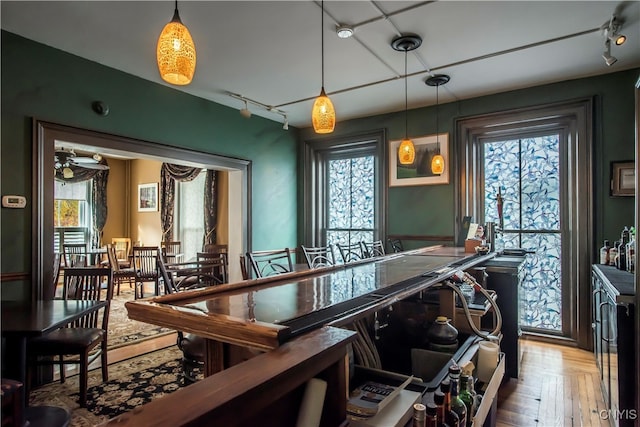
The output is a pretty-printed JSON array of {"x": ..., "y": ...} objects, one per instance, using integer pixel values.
[
  {"x": 176, "y": 53},
  {"x": 406, "y": 150},
  {"x": 437, "y": 162},
  {"x": 323, "y": 115}
]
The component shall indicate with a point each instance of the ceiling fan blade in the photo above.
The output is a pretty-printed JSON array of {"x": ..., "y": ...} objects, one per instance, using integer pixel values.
[
  {"x": 84, "y": 160},
  {"x": 97, "y": 166}
]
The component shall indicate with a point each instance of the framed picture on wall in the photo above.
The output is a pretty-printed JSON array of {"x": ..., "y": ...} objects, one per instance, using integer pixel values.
[
  {"x": 419, "y": 172},
  {"x": 148, "y": 197},
  {"x": 623, "y": 178}
]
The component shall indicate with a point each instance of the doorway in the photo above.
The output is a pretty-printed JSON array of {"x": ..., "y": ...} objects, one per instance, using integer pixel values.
[{"x": 48, "y": 134}]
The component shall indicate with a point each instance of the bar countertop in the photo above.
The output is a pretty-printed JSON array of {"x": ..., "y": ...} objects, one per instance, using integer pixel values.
[{"x": 265, "y": 313}]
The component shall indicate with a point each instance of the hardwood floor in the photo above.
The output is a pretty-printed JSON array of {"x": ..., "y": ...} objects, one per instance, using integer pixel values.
[{"x": 557, "y": 386}]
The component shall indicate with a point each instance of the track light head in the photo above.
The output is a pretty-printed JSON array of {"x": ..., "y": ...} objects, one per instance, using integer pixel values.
[
  {"x": 606, "y": 55},
  {"x": 245, "y": 111},
  {"x": 611, "y": 31},
  {"x": 285, "y": 125}
]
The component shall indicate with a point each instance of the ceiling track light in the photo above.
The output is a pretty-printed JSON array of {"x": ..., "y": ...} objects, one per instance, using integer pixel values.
[
  {"x": 606, "y": 55},
  {"x": 611, "y": 31},
  {"x": 406, "y": 43},
  {"x": 245, "y": 112}
]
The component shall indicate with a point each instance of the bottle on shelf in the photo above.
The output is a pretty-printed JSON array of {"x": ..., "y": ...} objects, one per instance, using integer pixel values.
[
  {"x": 613, "y": 253},
  {"x": 419, "y": 415},
  {"x": 438, "y": 400},
  {"x": 457, "y": 405},
  {"x": 604, "y": 253},
  {"x": 631, "y": 250},
  {"x": 431, "y": 419},
  {"x": 467, "y": 391},
  {"x": 622, "y": 249},
  {"x": 450, "y": 417}
]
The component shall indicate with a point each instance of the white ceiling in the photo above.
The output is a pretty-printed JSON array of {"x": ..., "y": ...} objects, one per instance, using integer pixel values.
[{"x": 269, "y": 51}]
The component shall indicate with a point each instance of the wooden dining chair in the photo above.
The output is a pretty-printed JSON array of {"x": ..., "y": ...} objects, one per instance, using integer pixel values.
[
  {"x": 351, "y": 252},
  {"x": 373, "y": 249},
  {"x": 270, "y": 262},
  {"x": 321, "y": 256},
  {"x": 146, "y": 268},
  {"x": 214, "y": 267},
  {"x": 85, "y": 338},
  {"x": 122, "y": 246},
  {"x": 172, "y": 251},
  {"x": 75, "y": 254},
  {"x": 396, "y": 245},
  {"x": 119, "y": 274}
]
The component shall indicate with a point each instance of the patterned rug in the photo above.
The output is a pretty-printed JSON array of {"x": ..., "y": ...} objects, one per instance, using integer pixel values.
[
  {"x": 124, "y": 331},
  {"x": 132, "y": 383}
]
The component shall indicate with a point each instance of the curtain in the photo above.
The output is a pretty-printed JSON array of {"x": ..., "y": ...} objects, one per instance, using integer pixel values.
[
  {"x": 98, "y": 195},
  {"x": 170, "y": 173},
  {"x": 210, "y": 208}
]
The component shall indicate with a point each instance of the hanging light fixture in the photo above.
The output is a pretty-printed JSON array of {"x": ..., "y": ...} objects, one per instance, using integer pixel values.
[
  {"x": 437, "y": 162},
  {"x": 176, "y": 53},
  {"x": 323, "y": 115},
  {"x": 406, "y": 43}
]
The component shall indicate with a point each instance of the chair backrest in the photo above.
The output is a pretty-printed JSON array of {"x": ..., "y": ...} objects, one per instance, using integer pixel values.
[
  {"x": 396, "y": 245},
  {"x": 145, "y": 261},
  {"x": 122, "y": 245},
  {"x": 167, "y": 279},
  {"x": 271, "y": 262},
  {"x": 243, "y": 267},
  {"x": 113, "y": 258},
  {"x": 322, "y": 256},
  {"x": 214, "y": 265},
  {"x": 86, "y": 283},
  {"x": 75, "y": 254},
  {"x": 210, "y": 247},
  {"x": 171, "y": 248},
  {"x": 373, "y": 249},
  {"x": 351, "y": 252},
  {"x": 57, "y": 260}
]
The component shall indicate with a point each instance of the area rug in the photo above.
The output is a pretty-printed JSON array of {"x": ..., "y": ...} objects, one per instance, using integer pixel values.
[
  {"x": 124, "y": 331},
  {"x": 132, "y": 383}
]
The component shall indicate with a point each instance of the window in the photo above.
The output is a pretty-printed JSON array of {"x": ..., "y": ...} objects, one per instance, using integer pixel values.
[
  {"x": 344, "y": 197},
  {"x": 540, "y": 158},
  {"x": 71, "y": 213},
  {"x": 190, "y": 215}
]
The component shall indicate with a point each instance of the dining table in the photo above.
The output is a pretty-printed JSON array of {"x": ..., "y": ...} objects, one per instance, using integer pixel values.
[{"x": 22, "y": 320}]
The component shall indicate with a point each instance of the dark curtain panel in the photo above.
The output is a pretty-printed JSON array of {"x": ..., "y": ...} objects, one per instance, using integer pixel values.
[
  {"x": 210, "y": 208},
  {"x": 98, "y": 195},
  {"x": 170, "y": 173},
  {"x": 99, "y": 205}
]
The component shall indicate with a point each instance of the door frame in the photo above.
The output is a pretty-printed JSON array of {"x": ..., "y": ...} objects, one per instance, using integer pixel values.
[
  {"x": 575, "y": 117},
  {"x": 45, "y": 134}
]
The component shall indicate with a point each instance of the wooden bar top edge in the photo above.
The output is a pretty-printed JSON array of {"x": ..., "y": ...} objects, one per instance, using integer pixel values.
[{"x": 257, "y": 381}]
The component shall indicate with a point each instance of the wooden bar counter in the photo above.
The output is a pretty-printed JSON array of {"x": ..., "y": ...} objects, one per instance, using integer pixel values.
[{"x": 265, "y": 313}]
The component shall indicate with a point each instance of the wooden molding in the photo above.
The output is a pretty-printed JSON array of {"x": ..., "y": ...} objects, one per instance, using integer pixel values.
[{"x": 14, "y": 277}]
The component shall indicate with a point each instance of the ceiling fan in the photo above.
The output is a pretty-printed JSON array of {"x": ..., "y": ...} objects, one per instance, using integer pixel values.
[{"x": 65, "y": 160}]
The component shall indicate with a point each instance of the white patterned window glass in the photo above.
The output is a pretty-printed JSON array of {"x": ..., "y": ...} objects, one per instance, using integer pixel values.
[
  {"x": 527, "y": 173},
  {"x": 351, "y": 200}
]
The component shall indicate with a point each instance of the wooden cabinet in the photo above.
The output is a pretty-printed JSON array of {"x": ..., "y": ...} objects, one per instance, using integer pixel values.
[{"x": 613, "y": 311}]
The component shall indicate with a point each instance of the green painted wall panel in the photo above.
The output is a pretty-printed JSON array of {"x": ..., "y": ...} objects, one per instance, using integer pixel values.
[{"x": 48, "y": 84}]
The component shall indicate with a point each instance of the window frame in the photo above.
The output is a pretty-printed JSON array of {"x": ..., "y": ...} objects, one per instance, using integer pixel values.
[{"x": 316, "y": 153}]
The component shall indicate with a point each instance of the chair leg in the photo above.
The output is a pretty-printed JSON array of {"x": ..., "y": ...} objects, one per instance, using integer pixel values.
[
  {"x": 62, "y": 369},
  {"x": 104, "y": 362},
  {"x": 84, "y": 373}
]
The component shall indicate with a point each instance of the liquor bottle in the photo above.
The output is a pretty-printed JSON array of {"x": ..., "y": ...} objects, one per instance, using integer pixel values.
[
  {"x": 419, "y": 415},
  {"x": 604, "y": 253},
  {"x": 450, "y": 417},
  {"x": 457, "y": 405},
  {"x": 468, "y": 396},
  {"x": 431, "y": 419},
  {"x": 438, "y": 399},
  {"x": 631, "y": 251},
  {"x": 613, "y": 253}
]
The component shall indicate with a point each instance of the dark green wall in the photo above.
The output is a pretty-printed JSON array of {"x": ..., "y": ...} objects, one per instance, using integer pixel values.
[
  {"x": 429, "y": 210},
  {"x": 48, "y": 84}
]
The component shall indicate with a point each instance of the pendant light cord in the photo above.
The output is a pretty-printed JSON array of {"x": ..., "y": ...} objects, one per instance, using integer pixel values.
[
  {"x": 437, "y": 132},
  {"x": 406, "y": 103},
  {"x": 321, "y": 39}
]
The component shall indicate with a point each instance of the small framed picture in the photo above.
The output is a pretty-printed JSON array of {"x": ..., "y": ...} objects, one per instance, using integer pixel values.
[
  {"x": 419, "y": 172},
  {"x": 148, "y": 197},
  {"x": 623, "y": 178}
]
